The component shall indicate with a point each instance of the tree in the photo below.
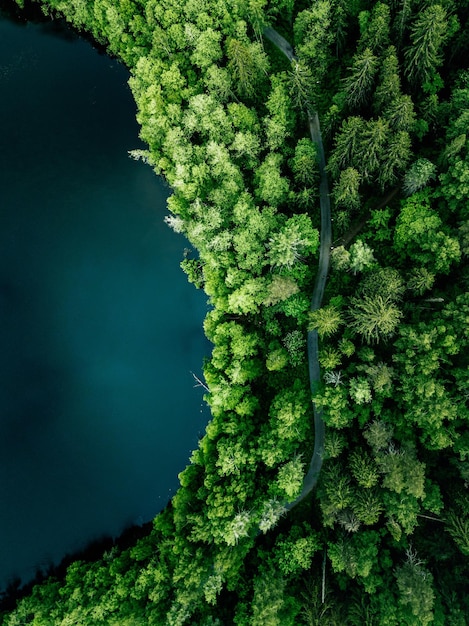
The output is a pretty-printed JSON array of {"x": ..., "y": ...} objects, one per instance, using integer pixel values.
[
  {"x": 375, "y": 318},
  {"x": 361, "y": 257},
  {"x": 400, "y": 113},
  {"x": 420, "y": 235},
  {"x": 345, "y": 190},
  {"x": 268, "y": 603},
  {"x": 280, "y": 123},
  {"x": 301, "y": 80},
  {"x": 414, "y": 582},
  {"x": 207, "y": 49},
  {"x": 247, "y": 63},
  {"x": 375, "y": 32},
  {"x": 389, "y": 84},
  {"x": 402, "y": 471},
  {"x": 428, "y": 34},
  {"x": 396, "y": 156},
  {"x": 364, "y": 469},
  {"x": 280, "y": 288},
  {"x": 359, "y": 389},
  {"x": 295, "y": 551},
  {"x": 312, "y": 35},
  {"x": 296, "y": 240},
  {"x": 361, "y": 78},
  {"x": 384, "y": 280},
  {"x": 290, "y": 478},
  {"x": 238, "y": 528},
  {"x": 288, "y": 413},
  {"x": 372, "y": 150},
  {"x": 271, "y": 513},
  {"x": 347, "y": 143},
  {"x": 420, "y": 280},
  {"x": 457, "y": 525},
  {"x": 420, "y": 173},
  {"x": 355, "y": 554},
  {"x": 272, "y": 187},
  {"x": 305, "y": 163},
  {"x": 368, "y": 504},
  {"x": 402, "y": 18},
  {"x": 325, "y": 320}
]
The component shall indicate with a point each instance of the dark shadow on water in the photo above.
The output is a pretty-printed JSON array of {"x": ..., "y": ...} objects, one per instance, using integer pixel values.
[
  {"x": 31, "y": 13},
  {"x": 55, "y": 27},
  {"x": 92, "y": 552}
]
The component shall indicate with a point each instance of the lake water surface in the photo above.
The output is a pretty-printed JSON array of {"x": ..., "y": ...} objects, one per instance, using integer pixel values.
[{"x": 99, "y": 328}]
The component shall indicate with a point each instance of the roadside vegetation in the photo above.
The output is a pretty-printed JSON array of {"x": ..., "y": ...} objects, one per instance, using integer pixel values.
[{"x": 383, "y": 538}]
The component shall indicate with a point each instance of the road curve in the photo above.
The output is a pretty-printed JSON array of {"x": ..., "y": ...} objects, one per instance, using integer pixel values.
[{"x": 315, "y": 466}]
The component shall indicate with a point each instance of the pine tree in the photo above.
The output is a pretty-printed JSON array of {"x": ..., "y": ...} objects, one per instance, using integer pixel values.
[
  {"x": 374, "y": 317},
  {"x": 420, "y": 173},
  {"x": 428, "y": 34},
  {"x": 361, "y": 78}
]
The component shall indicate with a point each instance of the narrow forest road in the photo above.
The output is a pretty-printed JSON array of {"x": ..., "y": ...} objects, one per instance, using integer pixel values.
[{"x": 315, "y": 466}]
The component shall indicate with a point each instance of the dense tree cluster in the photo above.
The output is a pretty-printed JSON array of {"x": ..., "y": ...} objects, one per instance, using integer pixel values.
[{"x": 384, "y": 538}]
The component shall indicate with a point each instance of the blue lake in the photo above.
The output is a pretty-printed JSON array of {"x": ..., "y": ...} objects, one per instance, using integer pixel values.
[{"x": 99, "y": 328}]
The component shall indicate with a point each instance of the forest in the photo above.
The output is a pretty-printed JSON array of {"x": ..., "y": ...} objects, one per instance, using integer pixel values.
[{"x": 318, "y": 160}]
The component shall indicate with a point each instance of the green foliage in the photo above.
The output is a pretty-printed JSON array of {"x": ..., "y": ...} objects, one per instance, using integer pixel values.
[
  {"x": 420, "y": 280},
  {"x": 296, "y": 240},
  {"x": 361, "y": 256},
  {"x": 295, "y": 343},
  {"x": 326, "y": 320},
  {"x": 385, "y": 281},
  {"x": 345, "y": 191},
  {"x": 304, "y": 164},
  {"x": 300, "y": 79},
  {"x": 290, "y": 478},
  {"x": 272, "y": 187},
  {"x": 248, "y": 64},
  {"x": 295, "y": 551},
  {"x": 418, "y": 176},
  {"x": 375, "y": 30},
  {"x": 268, "y": 606},
  {"x": 281, "y": 288},
  {"x": 361, "y": 78},
  {"x": 375, "y": 318},
  {"x": 355, "y": 554},
  {"x": 360, "y": 392},
  {"x": 271, "y": 513},
  {"x": 457, "y": 525},
  {"x": 414, "y": 582},
  {"x": 277, "y": 359},
  {"x": 420, "y": 234},
  {"x": 428, "y": 34},
  {"x": 364, "y": 469}
]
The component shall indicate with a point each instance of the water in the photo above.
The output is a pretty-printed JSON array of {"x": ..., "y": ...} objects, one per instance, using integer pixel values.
[{"x": 99, "y": 329}]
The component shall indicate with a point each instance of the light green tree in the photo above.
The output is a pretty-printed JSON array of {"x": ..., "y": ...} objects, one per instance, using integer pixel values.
[
  {"x": 428, "y": 34},
  {"x": 346, "y": 190},
  {"x": 361, "y": 78},
  {"x": 375, "y": 33},
  {"x": 305, "y": 164},
  {"x": 420, "y": 173},
  {"x": 325, "y": 320},
  {"x": 294, "y": 242},
  {"x": 361, "y": 257},
  {"x": 414, "y": 582},
  {"x": 290, "y": 478},
  {"x": 375, "y": 318},
  {"x": 248, "y": 63}
]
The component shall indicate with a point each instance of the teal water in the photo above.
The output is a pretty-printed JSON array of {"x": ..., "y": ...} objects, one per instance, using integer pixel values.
[{"x": 99, "y": 329}]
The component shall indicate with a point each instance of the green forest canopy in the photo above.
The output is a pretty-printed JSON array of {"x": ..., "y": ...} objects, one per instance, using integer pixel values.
[{"x": 383, "y": 538}]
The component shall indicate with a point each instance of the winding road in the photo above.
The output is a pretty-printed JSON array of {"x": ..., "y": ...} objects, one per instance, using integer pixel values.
[{"x": 315, "y": 466}]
